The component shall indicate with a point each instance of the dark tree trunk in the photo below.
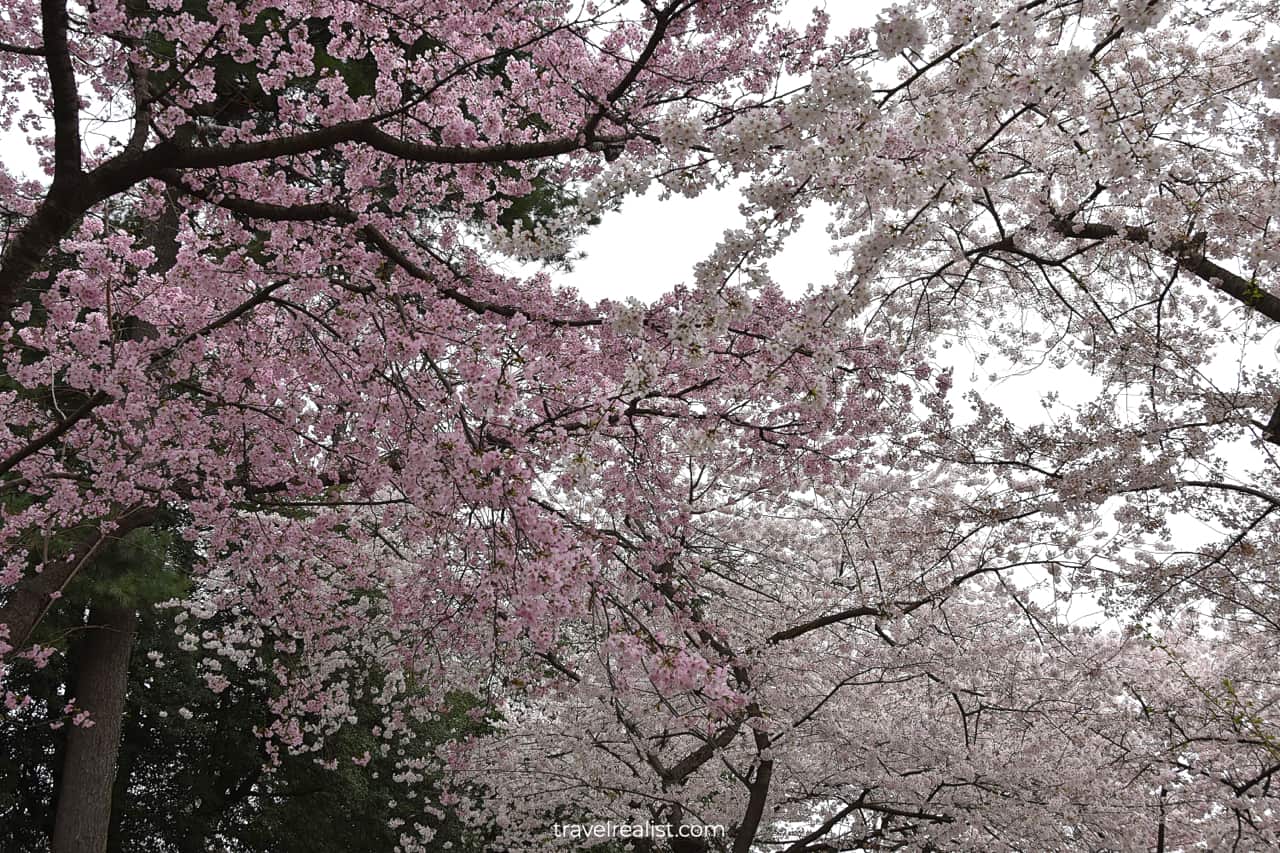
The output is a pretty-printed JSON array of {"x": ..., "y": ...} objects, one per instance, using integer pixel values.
[
  {"x": 83, "y": 817},
  {"x": 129, "y": 749}
]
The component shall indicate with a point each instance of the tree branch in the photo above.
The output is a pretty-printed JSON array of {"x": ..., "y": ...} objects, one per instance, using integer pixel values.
[
  {"x": 27, "y": 602},
  {"x": 368, "y": 134},
  {"x": 823, "y": 621},
  {"x": 5, "y": 47},
  {"x": 758, "y": 790},
  {"x": 53, "y": 433},
  {"x": 62, "y": 83},
  {"x": 1190, "y": 257}
]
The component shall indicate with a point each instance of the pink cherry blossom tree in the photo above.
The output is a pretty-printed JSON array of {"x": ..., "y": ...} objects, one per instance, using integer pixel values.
[
  {"x": 1081, "y": 193},
  {"x": 729, "y": 558},
  {"x": 253, "y": 288}
]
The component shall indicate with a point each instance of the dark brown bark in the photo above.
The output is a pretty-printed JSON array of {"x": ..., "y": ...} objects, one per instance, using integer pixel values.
[
  {"x": 1190, "y": 256},
  {"x": 758, "y": 789},
  {"x": 62, "y": 84},
  {"x": 130, "y": 739},
  {"x": 83, "y": 816}
]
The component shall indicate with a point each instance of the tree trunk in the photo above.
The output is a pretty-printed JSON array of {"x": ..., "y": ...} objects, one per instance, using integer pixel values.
[
  {"x": 83, "y": 817},
  {"x": 128, "y": 757}
]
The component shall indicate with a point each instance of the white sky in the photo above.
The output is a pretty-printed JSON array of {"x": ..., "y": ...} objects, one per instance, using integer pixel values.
[{"x": 650, "y": 245}]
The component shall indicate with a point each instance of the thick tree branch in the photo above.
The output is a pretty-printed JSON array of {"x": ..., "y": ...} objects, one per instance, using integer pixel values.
[
  {"x": 1210, "y": 484},
  {"x": 806, "y": 844},
  {"x": 368, "y": 134},
  {"x": 682, "y": 769},
  {"x": 53, "y": 433},
  {"x": 140, "y": 78},
  {"x": 758, "y": 796},
  {"x": 823, "y": 621},
  {"x": 1271, "y": 432},
  {"x": 1190, "y": 257},
  {"x": 62, "y": 84},
  {"x": 5, "y": 47},
  {"x": 67, "y": 202}
]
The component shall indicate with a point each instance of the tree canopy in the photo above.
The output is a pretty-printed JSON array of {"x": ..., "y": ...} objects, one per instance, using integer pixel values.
[{"x": 793, "y": 565}]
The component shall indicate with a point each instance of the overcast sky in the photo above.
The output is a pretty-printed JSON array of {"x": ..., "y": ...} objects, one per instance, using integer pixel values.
[{"x": 650, "y": 245}]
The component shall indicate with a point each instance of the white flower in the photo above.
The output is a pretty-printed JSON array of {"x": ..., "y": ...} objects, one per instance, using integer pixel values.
[{"x": 897, "y": 32}]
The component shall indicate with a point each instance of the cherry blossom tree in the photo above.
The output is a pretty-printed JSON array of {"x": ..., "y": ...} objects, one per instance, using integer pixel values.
[
  {"x": 728, "y": 558},
  {"x": 1100, "y": 201},
  {"x": 843, "y": 668},
  {"x": 289, "y": 169},
  {"x": 266, "y": 304},
  {"x": 1078, "y": 192}
]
